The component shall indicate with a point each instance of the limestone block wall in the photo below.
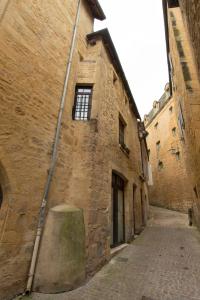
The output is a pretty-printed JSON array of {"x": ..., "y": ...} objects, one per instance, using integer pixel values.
[
  {"x": 171, "y": 188},
  {"x": 35, "y": 38},
  {"x": 186, "y": 93},
  {"x": 97, "y": 153},
  {"x": 191, "y": 13}
]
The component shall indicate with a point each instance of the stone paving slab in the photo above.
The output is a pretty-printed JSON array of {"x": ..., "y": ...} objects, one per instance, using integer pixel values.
[{"x": 163, "y": 263}]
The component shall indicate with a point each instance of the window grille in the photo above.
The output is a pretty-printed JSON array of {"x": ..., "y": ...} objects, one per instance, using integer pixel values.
[{"x": 82, "y": 103}]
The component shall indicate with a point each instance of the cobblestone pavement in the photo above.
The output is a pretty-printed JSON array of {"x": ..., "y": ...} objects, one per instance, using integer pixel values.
[{"x": 163, "y": 263}]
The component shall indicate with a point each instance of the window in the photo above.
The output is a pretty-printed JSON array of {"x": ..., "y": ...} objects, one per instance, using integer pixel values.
[
  {"x": 181, "y": 122},
  {"x": 178, "y": 155},
  {"x": 174, "y": 131},
  {"x": 121, "y": 132},
  {"x": 196, "y": 192},
  {"x": 173, "y": 3},
  {"x": 171, "y": 109},
  {"x": 186, "y": 71},
  {"x": 1, "y": 196},
  {"x": 158, "y": 146},
  {"x": 114, "y": 77},
  {"x": 82, "y": 103},
  {"x": 180, "y": 49},
  {"x": 156, "y": 126},
  {"x": 160, "y": 165}
]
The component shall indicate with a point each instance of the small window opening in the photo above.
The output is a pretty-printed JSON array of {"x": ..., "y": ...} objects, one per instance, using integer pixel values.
[
  {"x": 196, "y": 193},
  {"x": 174, "y": 131},
  {"x": 1, "y": 196},
  {"x": 160, "y": 165},
  {"x": 149, "y": 152},
  {"x": 180, "y": 49},
  {"x": 121, "y": 132},
  {"x": 81, "y": 58},
  {"x": 173, "y": 3},
  {"x": 181, "y": 123},
  {"x": 114, "y": 77},
  {"x": 186, "y": 71},
  {"x": 158, "y": 146},
  {"x": 82, "y": 103},
  {"x": 125, "y": 99},
  {"x": 171, "y": 109},
  {"x": 156, "y": 126},
  {"x": 178, "y": 156}
]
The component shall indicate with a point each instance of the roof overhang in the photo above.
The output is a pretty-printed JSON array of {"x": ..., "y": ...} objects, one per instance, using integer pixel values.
[
  {"x": 96, "y": 9},
  {"x": 108, "y": 43}
]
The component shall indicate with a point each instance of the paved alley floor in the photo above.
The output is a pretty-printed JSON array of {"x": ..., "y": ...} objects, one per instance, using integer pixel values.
[{"x": 162, "y": 263}]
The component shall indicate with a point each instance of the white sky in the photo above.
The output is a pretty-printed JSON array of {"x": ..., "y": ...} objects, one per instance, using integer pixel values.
[{"x": 137, "y": 30}]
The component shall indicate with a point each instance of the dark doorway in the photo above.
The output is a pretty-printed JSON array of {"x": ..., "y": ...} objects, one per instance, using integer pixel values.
[
  {"x": 134, "y": 208},
  {"x": 117, "y": 211},
  {"x": 142, "y": 208},
  {"x": 1, "y": 196}
]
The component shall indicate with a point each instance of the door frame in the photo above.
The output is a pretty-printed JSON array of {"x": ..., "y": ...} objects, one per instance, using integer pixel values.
[
  {"x": 134, "y": 208},
  {"x": 118, "y": 183}
]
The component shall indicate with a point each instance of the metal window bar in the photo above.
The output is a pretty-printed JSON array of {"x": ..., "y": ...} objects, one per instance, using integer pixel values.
[{"x": 82, "y": 107}]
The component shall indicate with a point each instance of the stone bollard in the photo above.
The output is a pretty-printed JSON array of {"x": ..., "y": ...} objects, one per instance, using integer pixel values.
[{"x": 61, "y": 262}]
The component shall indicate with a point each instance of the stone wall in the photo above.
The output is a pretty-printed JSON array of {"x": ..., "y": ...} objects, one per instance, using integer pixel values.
[
  {"x": 191, "y": 13},
  {"x": 35, "y": 39},
  {"x": 171, "y": 184},
  {"x": 186, "y": 93}
]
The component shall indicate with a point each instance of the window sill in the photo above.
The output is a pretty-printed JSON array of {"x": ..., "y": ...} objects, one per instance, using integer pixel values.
[{"x": 124, "y": 149}]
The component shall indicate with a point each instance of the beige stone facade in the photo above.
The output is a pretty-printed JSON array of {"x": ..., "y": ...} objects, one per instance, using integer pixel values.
[
  {"x": 34, "y": 50},
  {"x": 183, "y": 65},
  {"x": 171, "y": 187},
  {"x": 191, "y": 15}
]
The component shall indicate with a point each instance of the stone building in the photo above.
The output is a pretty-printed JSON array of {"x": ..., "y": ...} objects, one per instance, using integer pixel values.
[
  {"x": 171, "y": 187},
  {"x": 59, "y": 158},
  {"x": 191, "y": 15},
  {"x": 182, "y": 40}
]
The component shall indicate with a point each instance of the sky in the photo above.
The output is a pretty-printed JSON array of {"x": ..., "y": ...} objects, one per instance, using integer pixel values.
[{"x": 137, "y": 30}]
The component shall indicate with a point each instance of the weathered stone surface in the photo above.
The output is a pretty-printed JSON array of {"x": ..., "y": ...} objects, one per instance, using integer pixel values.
[
  {"x": 191, "y": 12},
  {"x": 61, "y": 262}
]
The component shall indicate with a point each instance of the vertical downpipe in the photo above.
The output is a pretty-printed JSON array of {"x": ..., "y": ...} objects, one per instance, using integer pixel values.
[{"x": 53, "y": 158}]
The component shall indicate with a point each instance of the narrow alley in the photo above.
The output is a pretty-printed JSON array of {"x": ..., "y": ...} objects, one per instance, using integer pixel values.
[{"x": 161, "y": 264}]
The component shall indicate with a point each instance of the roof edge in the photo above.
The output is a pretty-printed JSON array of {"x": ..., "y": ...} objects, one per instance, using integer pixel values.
[
  {"x": 157, "y": 113},
  {"x": 96, "y": 9},
  {"x": 105, "y": 35}
]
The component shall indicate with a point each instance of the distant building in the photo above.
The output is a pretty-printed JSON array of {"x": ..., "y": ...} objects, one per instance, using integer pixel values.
[
  {"x": 182, "y": 27},
  {"x": 96, "y": 164},
  {"x": 171, "y": 187}
]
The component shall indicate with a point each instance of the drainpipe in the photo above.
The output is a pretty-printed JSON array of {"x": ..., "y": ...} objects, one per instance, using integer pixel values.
[{"x": 53, "y": 158}]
